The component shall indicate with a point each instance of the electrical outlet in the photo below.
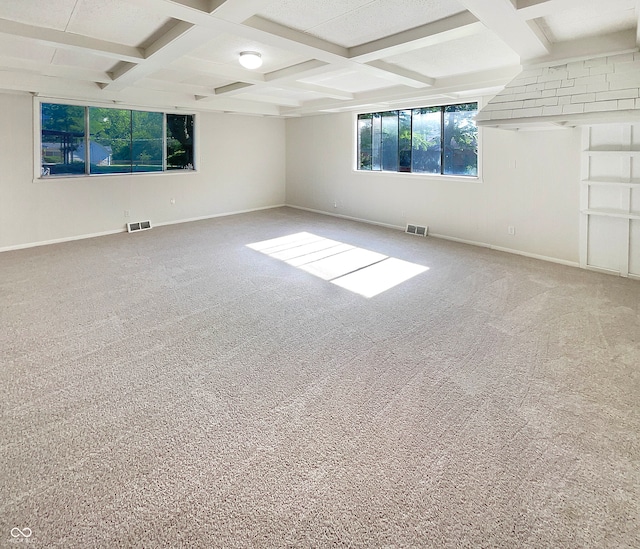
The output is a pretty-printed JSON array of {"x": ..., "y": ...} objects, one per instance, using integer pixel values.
[
  {"x": 173, "y": 201},
  {"x": 126, "y": 213},
  {"x": 511, "y": 230}
]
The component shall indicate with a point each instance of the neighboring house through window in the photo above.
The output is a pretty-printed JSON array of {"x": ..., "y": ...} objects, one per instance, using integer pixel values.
[{"x": 78, "y": 140}]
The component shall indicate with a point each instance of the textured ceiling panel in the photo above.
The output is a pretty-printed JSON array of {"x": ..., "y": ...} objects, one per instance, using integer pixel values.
[
  {"x": 171, "y": 52},
  {"x": 225, "y": 49},
  {"x": 470, "y": 54},
  {"x": 590, "y": 19},
  {"x": 349, "y": 81},
  {"x": 116, "y": 21},
  {"x": 82, "y": 60},
  {"x": 187, "y": 77},
  {"x": 377, "y": 20},
  {"x": 21, "y": 48},
  {"x": 303, "y": 15},
  {"x": 301, "y": 95},
  {"x": 275, "y": 95},
  {"x": 52, "y": 14},
  {"x": 356, "y": 22},
  {"x": 210, "y": 81}
]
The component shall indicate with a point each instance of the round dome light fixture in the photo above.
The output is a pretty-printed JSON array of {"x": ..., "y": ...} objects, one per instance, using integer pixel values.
[{"x": 250, "y": 59}]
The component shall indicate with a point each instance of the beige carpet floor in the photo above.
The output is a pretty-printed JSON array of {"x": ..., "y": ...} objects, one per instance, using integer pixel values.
[{"x": 176, "y": 388}]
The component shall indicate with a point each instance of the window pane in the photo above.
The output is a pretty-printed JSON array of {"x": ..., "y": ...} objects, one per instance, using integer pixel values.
[
  {"x": 180, "y": 142},
  {"x": 364, "y": 141},
  {"x": 390, "y": 141},
  {"x": 147, "y": 141},
  {"x": 376, "y": 141},
  {"x": 62, "y": 139},
  {"x": 461, "y": 140},
  {"x": 110, "y": 140},
  {"x": 426, "y": 140},
  {"x": 404, "y": 140}
]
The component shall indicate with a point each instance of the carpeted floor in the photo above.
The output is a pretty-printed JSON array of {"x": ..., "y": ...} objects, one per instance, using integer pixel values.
[{"x": 176, "y": 388}]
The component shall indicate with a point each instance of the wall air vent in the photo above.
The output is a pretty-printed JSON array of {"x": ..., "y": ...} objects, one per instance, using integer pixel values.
[
  {"x": 417, "y": 229},
  {"x": 138, "y": 226}
]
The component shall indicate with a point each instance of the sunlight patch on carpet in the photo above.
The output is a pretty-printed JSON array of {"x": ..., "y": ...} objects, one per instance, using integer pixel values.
[{"x": 361, "y": 271}]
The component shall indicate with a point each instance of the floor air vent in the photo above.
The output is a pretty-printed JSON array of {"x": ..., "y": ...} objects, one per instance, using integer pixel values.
[
  {"x": 417, "y": 229},
  {"x": 138, "y": 226}
]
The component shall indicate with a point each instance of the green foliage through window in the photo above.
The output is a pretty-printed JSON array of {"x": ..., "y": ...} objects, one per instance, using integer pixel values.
[
  {"x": 432, "y": 140},
  {"x": 79, "y": 140}
]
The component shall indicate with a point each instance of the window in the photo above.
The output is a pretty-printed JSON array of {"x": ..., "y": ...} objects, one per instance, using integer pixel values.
[
  {"x": 79, "y": 140},
  {"x": 430, "y": 140}
]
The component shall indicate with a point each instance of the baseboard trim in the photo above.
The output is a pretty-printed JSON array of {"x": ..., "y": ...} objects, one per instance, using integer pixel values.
[
  {"x": 460, "y": 240},
  {"x": 124, "y": 229},
  {"x": 446, "y": 237},
  {"x": 213, "y": 216},
  {"x": 537, "y": 256},
  {"x": 60, "y": 240},
  {"x": 604, "y": 270},
  {"x": 349, "y": 217}
]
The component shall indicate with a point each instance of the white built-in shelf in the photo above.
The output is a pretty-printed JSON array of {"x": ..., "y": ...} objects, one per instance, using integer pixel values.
[
  {"x": 611, "y": 213},
  {"x": 616, "y": 152},
  {"x": 609, "y": 188},
  {"x": 610, "y": 181}
]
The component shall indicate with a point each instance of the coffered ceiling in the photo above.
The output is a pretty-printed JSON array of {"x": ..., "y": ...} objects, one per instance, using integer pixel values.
[{"x": 326, "y": 56}]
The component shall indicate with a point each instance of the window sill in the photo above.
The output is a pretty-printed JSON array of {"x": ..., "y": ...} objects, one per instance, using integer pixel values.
[
  {"x": 423, "y": 176},
  {"x": 67, "y": 177}
]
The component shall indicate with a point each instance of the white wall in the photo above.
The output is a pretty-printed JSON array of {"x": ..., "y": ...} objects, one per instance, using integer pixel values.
[
  {"x": 530, "y": 180},
  {"x": 242, "y": 167}
]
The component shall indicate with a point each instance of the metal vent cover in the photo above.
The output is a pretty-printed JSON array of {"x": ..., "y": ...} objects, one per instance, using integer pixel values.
[
  {"x": 138, "y": 226},
  {"x": 417, "y": 229}
]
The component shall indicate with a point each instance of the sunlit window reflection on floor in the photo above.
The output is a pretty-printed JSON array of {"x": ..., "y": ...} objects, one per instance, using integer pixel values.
[{"x": 361, "y": 271}]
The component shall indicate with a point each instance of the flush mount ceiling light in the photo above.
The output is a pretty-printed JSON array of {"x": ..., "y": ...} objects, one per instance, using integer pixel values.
[{"x": 250, "y": 59}]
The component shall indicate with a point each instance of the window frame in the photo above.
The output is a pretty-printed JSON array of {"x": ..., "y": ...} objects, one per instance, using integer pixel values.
[
  {"x": 37, "y": 142},
  {"x": 418, "y": 175}
]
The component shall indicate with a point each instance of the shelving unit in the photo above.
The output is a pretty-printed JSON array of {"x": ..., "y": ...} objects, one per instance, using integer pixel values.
[
  {"x": 610, "y": 199},
  {"x": 607, "y": 212}
]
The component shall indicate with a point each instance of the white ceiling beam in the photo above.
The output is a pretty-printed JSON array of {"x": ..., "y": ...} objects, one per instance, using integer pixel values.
[
  {"x": 236, "y": 10},
  {"x": 322, "y": 90},
  {"x": 50, "y": 86},
  {"x": 638, "y": 23},
  {"x": 62, "y": 88},
  {"x": 243, "y": 88},
  {"x": 299, "y": 70},
  {"x": 413, "y": 79},
  {"x": 46, "y": 69},
  {"x": 311, "y": 44},
  {"x": 386, "y": 98},
  {"x": 501, "y": 17},
  {"x": 450, "y": 28},
  {"x": 200, "y": 5},
  {"x": 332, "y": 53},
  {"x": 175, "y": 43},
  {"x": 587, "y": 48},
  {"x": 270, "y": 33},
  {"x": 532, "y": 9},
  {"x": 271, "y": 99},
  {"x": 177, "y": 87},
  {"x": 70, "y": 41},
  {"x": 286, "y": 79},
  {"x": 230, "y": 89},
  {"x": 254, "y": 28},
  {"x": 223, "y": 103},
  {"x": 218, "y": 70}
]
